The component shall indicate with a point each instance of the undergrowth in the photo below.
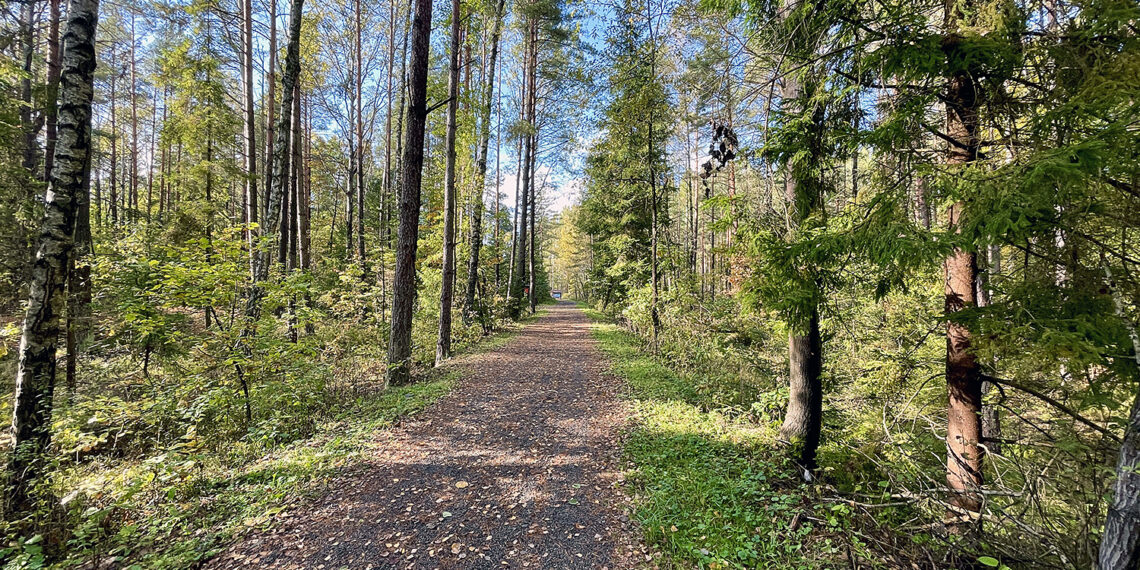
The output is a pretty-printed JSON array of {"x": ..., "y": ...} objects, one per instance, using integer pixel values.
[
  {"x": 181, "y": 504},
  {"x": 710, "y": 485}
]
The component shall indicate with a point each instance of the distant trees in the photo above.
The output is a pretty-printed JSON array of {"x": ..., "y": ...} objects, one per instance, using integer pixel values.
[{"x": 627, "y": 169}]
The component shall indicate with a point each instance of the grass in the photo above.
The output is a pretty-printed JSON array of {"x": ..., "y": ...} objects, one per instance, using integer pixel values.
[
  {"x": 179, "y": 508},
  {"x": 711, "y": 488}
]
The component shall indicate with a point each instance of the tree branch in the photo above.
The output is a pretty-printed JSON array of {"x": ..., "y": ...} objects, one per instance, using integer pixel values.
[{"x": 1058, "y": 405}]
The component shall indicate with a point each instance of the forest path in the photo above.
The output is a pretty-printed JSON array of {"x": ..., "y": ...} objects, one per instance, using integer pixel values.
[{"x": 517, "y": 467}]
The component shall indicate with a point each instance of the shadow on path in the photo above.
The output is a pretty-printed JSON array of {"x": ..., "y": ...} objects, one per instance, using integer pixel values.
[{"x": 515, "y": 468}]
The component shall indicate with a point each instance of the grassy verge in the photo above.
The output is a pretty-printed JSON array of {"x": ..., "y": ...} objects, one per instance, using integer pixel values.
[
  {"x": 711, "y": 487},
  {"x": 179, "y": 508}
]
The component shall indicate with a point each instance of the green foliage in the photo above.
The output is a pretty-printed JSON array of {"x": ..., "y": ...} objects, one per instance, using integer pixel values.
[{"x": 708, "y": 487}]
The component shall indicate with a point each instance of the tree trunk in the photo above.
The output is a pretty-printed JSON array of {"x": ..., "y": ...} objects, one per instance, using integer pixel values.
[
  {"x": 1120, "y": 543},
  {"x": 278, "y": 190},
  {"x": 963, "y": 375},
  {"x": 447, "y": 287},
  {"x": 50, "y": 110},
  {"x": 114, "y": 140},
  {"x": 304, "y": 217},
  {"x": 28, "y": 122},
  {"x": 133, "y": 198},
  {"x": 386, "y": 183},
  {"x": 532, "y": 120},
  {"x": 802, "y": 422},
  {"x": 250, "y": 127},
  {"x": 295, "y": 188},
  {"x": 154, "y": 130},
  {"x": 360, "y": 189},
  {"x": 804, "y": 417},
  {"x": 270, "y": 110},
  {"x": 518, "y": 200},
  {"x": 498, "y": 179},
  {"x": 471, "y": 309},
  {"x": 79, "y": 287},
  {"x": 407, "y": 236},
  {"x": 35, "y": 376},
  {"x": 520, "y": 254}
]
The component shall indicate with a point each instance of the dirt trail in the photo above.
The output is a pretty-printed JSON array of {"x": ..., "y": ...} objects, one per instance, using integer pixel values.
[{"x": 515, "y": 468}]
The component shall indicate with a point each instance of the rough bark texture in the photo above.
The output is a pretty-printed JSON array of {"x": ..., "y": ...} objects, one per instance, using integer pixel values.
[
  {"x": 804, "y": 417},
  {"x": 270, "y": 110},
  {"x": 520, "y": 250},
  {"x": 360, "y": 188},
  {"x": 447, "y": 287},
  {"x": 282, "y": 151},
  {"x": 53, "y": 71},
  {"x": 1120, "y": 543},
  {"x": 963, "y": 375},
  {"x": 471, "y": 308},
  {"x": 35, "y": 376},
  {"x": 79, "y": 287},
  {"x": 250, "y": 124},
  {"x": 407, "y": 235},
  {"x": 802, "y": 422}
]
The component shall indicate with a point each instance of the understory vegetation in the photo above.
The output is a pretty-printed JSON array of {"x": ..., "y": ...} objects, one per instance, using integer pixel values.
[
  {"x": 879, "y": 261},
  {"x": 888, "y": 250},
  {"x": 158, "y": 466}
]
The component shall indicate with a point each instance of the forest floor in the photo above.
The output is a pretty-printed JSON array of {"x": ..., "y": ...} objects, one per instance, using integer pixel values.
[{"x": 517, "y": 467}]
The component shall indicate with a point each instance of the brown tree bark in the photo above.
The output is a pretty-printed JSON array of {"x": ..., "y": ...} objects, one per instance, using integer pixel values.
[
  {"x": 963, "y": 375},
  {"x": 248, "y": 101},
  {"x": 407, "y": 236},
  {"x": 360, "y": 189},
  {"x": 471, "y": 308},
  {"x": 447, "y": 287},
  {"x": 35, "y": 376},
  {"x": 270, "y": 111},
  {"x": 516, "y": 298},
  {"x": 133, "y": 197}
]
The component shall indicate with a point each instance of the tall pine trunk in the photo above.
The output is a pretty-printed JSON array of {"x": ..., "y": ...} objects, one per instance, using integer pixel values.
[
  {"x": 407, "y": 236},
  {"x": 250, "y": 200},
  {"x": 471, "y": 308},
  {"x": 963, "y": 375},
  {"x": 35, "y": 376},
  {"x": 447, "y": 286},
  {"x": 520, "y": 249},
  {"x": 270, "y": 112},
  {"x": 360, "y": 189}
]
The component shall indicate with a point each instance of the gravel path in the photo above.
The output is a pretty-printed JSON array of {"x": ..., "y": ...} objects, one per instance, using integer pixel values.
[{"x": 516, "y": 468}]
